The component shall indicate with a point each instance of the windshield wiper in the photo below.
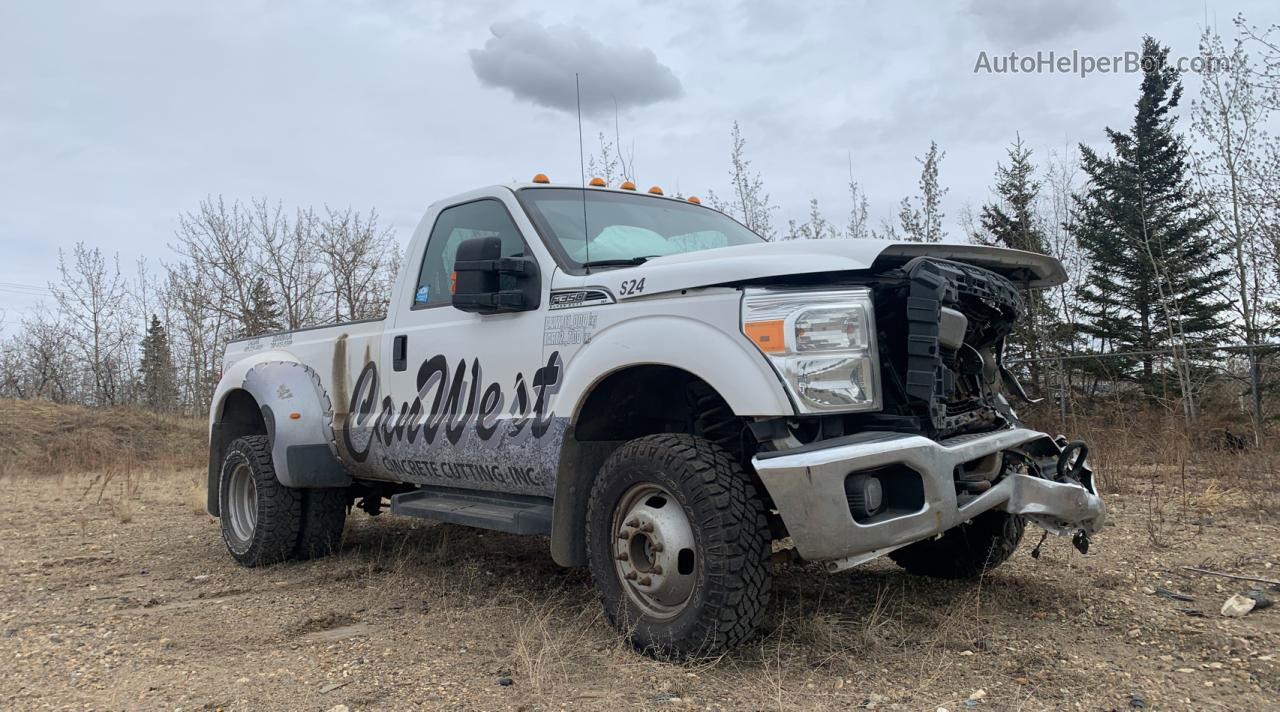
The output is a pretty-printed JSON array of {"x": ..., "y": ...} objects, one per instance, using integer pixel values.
[{"x": 628, "y": 262}]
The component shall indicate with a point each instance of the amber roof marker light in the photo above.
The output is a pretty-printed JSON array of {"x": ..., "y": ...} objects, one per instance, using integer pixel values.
[
  {"x": 597, "y": 182},
  {"x": 694, "y": 199},
  {"x": 655, "y": 190},
  {"x": 541, "y": 178},
  {"x": 627, "y": 185}
]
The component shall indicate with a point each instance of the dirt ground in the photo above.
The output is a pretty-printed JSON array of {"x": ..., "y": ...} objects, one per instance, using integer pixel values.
[{"x": 131, "y": 602}]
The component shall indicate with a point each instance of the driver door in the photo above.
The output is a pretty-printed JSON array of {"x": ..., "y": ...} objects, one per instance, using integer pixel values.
[{"x": 472, "y": 393}]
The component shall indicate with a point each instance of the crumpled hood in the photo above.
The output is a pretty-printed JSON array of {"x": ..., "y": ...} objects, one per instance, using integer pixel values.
[{"x": 727, "y": 265}]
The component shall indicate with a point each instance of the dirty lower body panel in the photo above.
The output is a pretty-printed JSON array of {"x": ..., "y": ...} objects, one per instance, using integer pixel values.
[{"x": 851, "y": 499}]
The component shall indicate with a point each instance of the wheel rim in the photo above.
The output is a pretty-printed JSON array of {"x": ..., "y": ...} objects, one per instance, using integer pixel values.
[
  {"x": 242, "y": 502},
  {"x": 654, "y": 551}
]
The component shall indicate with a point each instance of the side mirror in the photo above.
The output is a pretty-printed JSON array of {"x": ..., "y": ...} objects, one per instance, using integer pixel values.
[{"x": 485, "y": 282}]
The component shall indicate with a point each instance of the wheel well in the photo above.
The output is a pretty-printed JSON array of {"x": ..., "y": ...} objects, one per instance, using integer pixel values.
[
  {"x": 637, "y": 401},
  {"x": 625, "y": 405},
  {"x": 240, "y": 416}
]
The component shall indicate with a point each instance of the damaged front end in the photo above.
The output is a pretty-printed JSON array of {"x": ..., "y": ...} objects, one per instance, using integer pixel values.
[{"x": 946, "y": 445}]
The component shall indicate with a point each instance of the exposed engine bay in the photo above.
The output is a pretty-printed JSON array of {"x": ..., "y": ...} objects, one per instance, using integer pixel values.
[{"x": 943, "y": 328}]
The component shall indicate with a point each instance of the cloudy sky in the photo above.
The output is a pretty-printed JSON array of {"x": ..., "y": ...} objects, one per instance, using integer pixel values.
[{"x": 115, "y": 117}]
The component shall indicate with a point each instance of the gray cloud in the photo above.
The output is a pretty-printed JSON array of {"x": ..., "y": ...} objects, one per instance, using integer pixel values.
[
  {"x": 537, "y": 64},
  {"x": 1020, "y": 23},
  {"x": 119, "y": 116}
]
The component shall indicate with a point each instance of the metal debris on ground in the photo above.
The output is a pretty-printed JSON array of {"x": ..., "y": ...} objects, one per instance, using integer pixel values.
[
  {"x": 1260, "y": 599},
  {"x": 1232, "y": 576},
  {"x": 1161, "y": 591}
]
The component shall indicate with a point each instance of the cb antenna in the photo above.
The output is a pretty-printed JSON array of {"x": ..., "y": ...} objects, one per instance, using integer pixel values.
[{"x": 582, "y": 174}]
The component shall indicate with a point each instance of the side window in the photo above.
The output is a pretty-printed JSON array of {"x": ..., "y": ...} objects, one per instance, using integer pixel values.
[{"x": 483, "y": 218}]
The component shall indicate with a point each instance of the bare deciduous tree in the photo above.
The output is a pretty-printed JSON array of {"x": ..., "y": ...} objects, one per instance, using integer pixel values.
[
  {"x": 91, "y": 296},
  {"x": 749, "y": 202},
  {"x": 362, "y": 260},
  {"x": 921, "y": 216},
  {"x": 1229, "y": 122}
]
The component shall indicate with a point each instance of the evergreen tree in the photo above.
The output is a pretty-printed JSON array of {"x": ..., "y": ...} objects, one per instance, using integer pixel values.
[
  {"x": 1153, "y": 281},
  {"x": 1012, "y": 222},
  {"x": 159, "y": 380},
  {"x": 262, "y": 316}
]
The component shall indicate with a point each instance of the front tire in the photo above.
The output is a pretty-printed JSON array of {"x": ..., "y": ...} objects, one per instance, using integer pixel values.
[
  {"x": 966, "y": 551},
  {"x": 677, "y": 542},
  {"x": 260, "y": 518}
]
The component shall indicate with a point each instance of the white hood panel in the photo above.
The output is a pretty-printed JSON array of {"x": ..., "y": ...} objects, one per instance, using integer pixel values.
[{"x": 775, "y": 259}]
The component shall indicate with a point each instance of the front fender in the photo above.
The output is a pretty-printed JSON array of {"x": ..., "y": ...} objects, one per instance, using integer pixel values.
[{"x": 727, "y": 362}]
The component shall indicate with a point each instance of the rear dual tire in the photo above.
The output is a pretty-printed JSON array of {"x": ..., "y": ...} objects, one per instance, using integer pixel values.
[{"x": 264, "y": 522}]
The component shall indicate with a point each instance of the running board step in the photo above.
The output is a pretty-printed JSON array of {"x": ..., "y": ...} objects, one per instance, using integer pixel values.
[{"x": 513, "y": 513}]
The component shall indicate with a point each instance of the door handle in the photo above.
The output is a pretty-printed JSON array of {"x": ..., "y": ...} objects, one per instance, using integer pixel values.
[{"x": 400, "y": 352}]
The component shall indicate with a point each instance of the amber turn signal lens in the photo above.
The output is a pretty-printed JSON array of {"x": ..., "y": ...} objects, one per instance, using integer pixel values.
[
  {"x": 541, "y": 178},
  {"x": 453, "y": 282},
  {"x": 768, "y": 335}
]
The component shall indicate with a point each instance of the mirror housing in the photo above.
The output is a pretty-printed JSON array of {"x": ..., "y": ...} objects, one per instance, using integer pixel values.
[{"x": 485, "y": 282}]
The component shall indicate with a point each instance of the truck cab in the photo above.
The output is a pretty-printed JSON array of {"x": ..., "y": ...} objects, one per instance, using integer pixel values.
[{"x": 664, "y": 394}]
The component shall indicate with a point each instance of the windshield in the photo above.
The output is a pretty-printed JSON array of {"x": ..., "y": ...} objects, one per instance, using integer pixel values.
[{"x": 620, "y": 226}]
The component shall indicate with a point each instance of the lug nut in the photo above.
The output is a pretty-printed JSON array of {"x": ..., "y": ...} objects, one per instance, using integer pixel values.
[
  {"x": 646, "y": 526},
  {"x": 630, "y": 576},
  {"x": 624, "y": 535},
  {"x": 657, "y": 546},
  {"x": 633, "y": 523},
  {"x": 657, "y": 570},
  {"x": 622, "y": 556},
  {"x": 644, "y": 581}
]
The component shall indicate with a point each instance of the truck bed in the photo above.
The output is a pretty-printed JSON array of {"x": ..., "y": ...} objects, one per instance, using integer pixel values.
[{"x": 312, "y": 345}]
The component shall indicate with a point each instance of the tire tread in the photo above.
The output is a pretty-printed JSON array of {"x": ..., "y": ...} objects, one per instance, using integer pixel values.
[
  {"x": 279, "y": 507},
  {"x": 967, "y": 551},
  {"x": 324, "y": 515},
  {"x": 737, "y": 540}
]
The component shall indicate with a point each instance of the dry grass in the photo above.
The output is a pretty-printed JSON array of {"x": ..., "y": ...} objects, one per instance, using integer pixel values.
[
  {"x": 198, "y": 496},
  {"x": 1184, "y": 475},
  {"x": 123, "y": 510},
  {"x": 50, "y": 439},
  {"x": 452, "y": 610},
  {"x": 446, "y": 613}
]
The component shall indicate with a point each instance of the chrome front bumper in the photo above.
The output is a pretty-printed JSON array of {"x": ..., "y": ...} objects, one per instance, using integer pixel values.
[{"x": 807, "y": 488}]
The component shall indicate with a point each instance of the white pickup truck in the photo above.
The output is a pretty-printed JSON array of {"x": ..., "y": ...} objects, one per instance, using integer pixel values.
[{"x": 665, "y": 395}]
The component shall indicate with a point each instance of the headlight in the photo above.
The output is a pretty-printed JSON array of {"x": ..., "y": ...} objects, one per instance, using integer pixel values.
[{"x": 822, "y": 344}]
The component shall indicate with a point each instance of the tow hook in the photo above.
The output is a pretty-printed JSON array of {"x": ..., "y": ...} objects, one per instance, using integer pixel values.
[
  {"x": 1081, "y": 541},
  {"x": 1071, "y": 460}
]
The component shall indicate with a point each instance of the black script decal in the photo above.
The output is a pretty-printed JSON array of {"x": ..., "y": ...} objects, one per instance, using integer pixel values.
[{"x": 459, "y": 402}]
